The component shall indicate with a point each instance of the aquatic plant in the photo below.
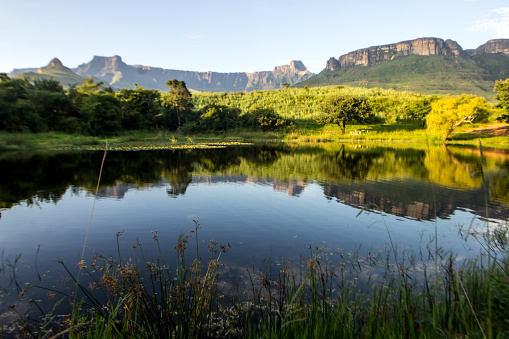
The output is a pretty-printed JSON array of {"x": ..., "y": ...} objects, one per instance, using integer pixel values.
[{"x": 317, "y": 296}]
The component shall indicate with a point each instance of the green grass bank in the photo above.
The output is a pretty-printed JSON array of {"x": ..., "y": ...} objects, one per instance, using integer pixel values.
[{"x": 302, "y": 132}]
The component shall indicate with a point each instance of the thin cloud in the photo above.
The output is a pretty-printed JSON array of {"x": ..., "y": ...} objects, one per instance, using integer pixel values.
[
  {"x": 194, "y": 36},
  {"x": 497, "y": 23}
]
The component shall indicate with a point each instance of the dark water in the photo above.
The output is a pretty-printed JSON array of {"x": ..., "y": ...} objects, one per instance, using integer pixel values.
[{"x": 266, "y": 201}]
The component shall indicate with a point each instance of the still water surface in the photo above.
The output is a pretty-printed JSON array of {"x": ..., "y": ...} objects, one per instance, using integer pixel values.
[{"x": 266, "y": 201}]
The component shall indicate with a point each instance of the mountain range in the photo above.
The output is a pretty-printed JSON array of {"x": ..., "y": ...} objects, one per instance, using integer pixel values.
[
  {"x": 424, "y": 65},
  {"x": 113, "y": 71}
]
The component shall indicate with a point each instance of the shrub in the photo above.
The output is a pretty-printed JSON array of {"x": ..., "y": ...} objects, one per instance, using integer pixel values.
[
  {"x": 448, "y": 113},
  {"x": 265, "y": 119},
  {"x": 219, "y": 118}
]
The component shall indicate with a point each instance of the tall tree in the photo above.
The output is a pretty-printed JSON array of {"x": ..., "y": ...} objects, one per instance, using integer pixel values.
[{"x": 179, "y": 99}]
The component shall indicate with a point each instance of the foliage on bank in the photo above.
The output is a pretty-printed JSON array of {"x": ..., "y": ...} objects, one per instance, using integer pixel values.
[{"x": 94, "y": 109}]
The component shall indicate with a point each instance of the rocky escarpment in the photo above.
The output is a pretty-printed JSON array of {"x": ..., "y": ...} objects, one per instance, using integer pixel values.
[
  {"x": 115, "y": 72},
  {"x": 493, "y": 46},
  {"x": 378, "y": 54}
]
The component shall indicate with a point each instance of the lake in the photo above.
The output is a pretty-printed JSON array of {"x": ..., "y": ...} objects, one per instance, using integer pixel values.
[{"x": 268, "y": 201}]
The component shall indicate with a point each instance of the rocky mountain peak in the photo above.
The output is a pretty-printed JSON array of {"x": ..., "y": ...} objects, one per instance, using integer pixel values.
[
  {"x": 333, "y": 64},
  {"x": 298, "y": 65},
  {"x": 55, "y": 63},
  {"x": 295, "y": 67}
]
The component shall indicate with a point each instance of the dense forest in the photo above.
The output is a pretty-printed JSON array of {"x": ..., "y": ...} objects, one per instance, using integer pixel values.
[{"x": 45, "y": 105}]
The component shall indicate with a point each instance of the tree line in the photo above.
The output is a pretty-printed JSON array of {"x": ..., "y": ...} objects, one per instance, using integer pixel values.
[
  {"x": 339, "y": 105},
  {"x": 45, "y": 105},
  {"x": 94, "y": 109}
]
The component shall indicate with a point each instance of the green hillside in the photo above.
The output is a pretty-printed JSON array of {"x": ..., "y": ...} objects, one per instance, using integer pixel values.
[
  {"x": 423, "y": 74},
  {"x": 497, "y": 65}
]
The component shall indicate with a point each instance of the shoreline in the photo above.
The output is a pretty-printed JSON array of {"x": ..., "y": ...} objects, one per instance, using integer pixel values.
[{"x": 488, "y": 135}]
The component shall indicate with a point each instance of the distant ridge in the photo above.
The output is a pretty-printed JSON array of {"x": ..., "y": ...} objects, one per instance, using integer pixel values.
[
  {"x": 425, "y": 65},
  {"x": 115, "y": 72}
]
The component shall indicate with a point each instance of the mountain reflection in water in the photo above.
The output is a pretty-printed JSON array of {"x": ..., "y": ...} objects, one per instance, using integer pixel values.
[{"x": 399, "y": 181}]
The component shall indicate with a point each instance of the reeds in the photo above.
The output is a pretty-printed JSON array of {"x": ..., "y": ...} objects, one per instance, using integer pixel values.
[{"x": 352, "y": 296}]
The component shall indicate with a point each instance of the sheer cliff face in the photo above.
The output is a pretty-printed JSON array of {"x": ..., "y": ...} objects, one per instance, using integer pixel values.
[
  {"x": 493, "y": 46},
  {"x": 378, "y": 54},
  {"x": 115, "y": 72}
]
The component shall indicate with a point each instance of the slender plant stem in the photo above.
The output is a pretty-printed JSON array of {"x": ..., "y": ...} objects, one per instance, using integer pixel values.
[
  {"x": 488, "y": 232},
  {"x": 95, "y": 199},
  {"x": 435, "y": 309}
]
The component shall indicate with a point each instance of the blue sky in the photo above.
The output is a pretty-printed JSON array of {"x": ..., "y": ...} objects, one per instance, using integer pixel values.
[{"x": 232, "y": 36}]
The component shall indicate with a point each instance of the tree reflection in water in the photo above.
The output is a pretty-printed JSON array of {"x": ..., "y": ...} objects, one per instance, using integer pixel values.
[{"x": 386, "y": 177}]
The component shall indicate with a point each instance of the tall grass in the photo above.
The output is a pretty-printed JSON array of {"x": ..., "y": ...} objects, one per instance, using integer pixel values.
[
  {"x": 16, "y": 141},
  {"x": 353, "y": 296}
]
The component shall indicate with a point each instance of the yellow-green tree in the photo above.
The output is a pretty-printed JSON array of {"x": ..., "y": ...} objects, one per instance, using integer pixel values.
[
  {"x": 90, "y": 86},
  {"x": 450, "y": 112}
]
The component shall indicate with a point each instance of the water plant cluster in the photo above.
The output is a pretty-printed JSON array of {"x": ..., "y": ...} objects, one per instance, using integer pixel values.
[{"x": 388, "y": 293}]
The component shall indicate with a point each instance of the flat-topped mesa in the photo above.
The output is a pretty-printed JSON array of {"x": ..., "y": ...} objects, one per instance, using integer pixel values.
[
  {"x": 378, "y": 54},
  {"x": 99, "y": 64},
  {"x": 493, "y": 46}
]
